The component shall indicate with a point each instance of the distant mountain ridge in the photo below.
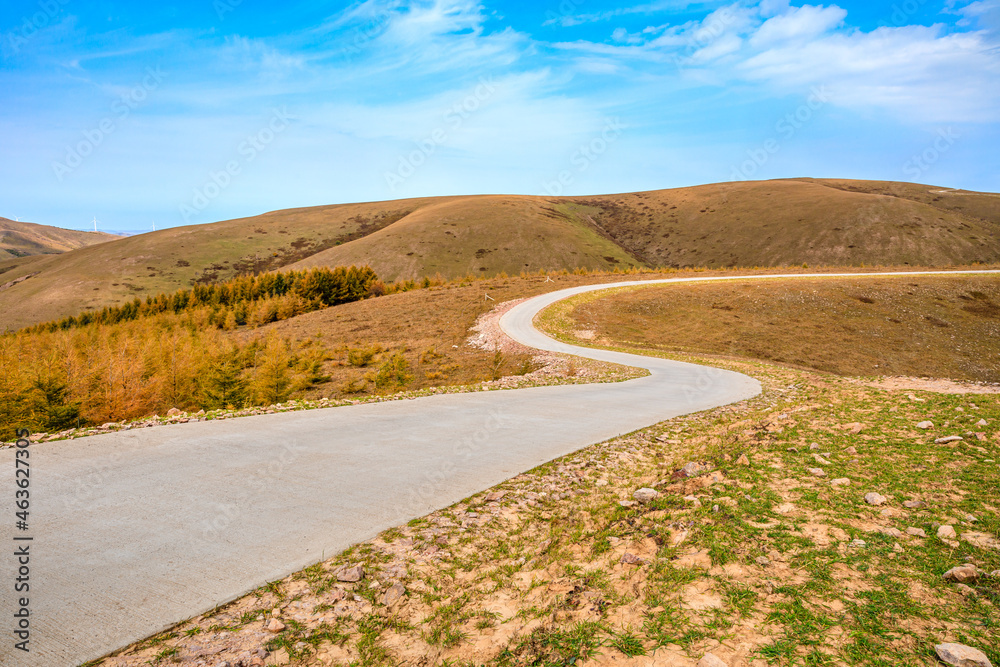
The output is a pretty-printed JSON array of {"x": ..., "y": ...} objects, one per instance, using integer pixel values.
[
  {"x": 23, "y": 239},
  {"x": 741, "y": 224}
]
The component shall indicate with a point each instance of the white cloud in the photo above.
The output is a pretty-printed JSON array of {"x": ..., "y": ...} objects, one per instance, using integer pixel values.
[
  {"x": 798, "y": 24},
  {"x": 918, "y": 73}
]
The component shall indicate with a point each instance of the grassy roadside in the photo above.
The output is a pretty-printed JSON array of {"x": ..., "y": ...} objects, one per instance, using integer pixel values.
[
  {"x": 759, "y": 560},
  {"x": 939, "y": 326}
]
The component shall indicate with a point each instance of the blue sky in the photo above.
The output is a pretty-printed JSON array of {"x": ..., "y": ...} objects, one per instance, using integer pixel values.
[{"x": 212, "y": 109}]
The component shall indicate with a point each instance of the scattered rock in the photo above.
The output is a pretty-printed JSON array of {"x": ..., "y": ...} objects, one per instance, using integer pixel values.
[
  {"x": 913, "y": 504},
  {"x": 744, "y": 460},
  {"x": 693, "y": 469},
  {"x": 981, "y": 422},
  {"x": 763, "y": 561},
  {"x": 981, "y": 540},
  {"x": 947, "y": 439},
  {"x": 711, "y": 660},
  {"x": 960, "y": 655},
  {"x": 274, "y": 625},
  {"x": 693, "y": 500},
  {"x": 820, "y": 460},
  {"x": 859, "y": 544},
  {"x": 813, "y": 446},
  {"x": 873, "y": 498},
  {"x": 646, "y": 495},
  {"x": 818, "y": 472},
  {"x": 971, "y": 518},
  {"x": 173, "y": 412},
  {"x": 851, "y": 450},
  {"x": 925, "y": 425},
  {"x": 393, "y": 595},
  {"x": 962, "y": 574},
  {"x": 916, "y": 532},
  {"x": 946, "y": 533},
  {"x": 891, "y": 532},
  {"x": 351, "y": 574},
  {"x": 967, "y": 591},
  {"x": 627, "y": 503},
  {"x": 495, "y": 496},
  {"x": 631, "y": 559},
  {"x": 840, "y": 481}
]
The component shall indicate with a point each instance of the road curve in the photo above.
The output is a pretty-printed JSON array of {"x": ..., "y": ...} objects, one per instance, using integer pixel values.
[{"x": 137, "y": 530}]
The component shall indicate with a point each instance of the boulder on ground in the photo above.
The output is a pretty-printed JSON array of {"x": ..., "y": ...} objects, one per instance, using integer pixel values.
[
  {"x": 873, "y": 498},
  {"x": 646, "y": 495},
  {"x": 960, "y": 655}
]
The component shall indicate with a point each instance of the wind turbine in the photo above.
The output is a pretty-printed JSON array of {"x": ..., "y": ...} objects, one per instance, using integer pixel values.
[{"x": 95, "y": 223}]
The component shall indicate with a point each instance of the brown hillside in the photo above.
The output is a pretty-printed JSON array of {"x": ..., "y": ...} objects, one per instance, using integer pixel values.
[
  {"x": 767, "y": 224},
  {"x": 22, "y": 239}
]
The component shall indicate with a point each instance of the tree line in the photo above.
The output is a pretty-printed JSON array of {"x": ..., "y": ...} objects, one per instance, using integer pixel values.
[{"x": 243, "y": 300}]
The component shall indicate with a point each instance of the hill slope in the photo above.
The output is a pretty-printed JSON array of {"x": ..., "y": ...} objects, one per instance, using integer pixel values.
[
  {"x": 22, "y": 239},
  {"x": 767, "y": 223}
]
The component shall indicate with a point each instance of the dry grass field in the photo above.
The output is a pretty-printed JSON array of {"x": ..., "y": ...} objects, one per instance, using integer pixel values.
[{"x": 936, "y": 326}]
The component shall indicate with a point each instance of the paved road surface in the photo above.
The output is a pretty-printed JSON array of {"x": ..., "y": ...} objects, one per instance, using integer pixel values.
[{"x": 137, "y": 530}]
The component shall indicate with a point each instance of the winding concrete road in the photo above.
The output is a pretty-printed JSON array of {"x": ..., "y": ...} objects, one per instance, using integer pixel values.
[{"x": 137, "y": 530}]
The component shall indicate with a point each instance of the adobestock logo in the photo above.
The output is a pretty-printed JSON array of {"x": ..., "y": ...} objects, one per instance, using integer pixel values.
[
  {"x": 248, "y": 150},
  {"x": 786, "y": 128},
  {"x": 920, "y": 164},
  {"x": 95, "y": 137},
  {"x": 47, "y": 12}
]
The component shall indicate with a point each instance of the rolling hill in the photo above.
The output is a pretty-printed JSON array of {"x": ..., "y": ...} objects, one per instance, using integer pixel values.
[
  {"x": 23, "y": 239},
  {"x": 765, "y": 223}
]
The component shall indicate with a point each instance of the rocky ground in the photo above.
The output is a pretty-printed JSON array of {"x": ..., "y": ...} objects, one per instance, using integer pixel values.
[{"x": 824, "y": 523}]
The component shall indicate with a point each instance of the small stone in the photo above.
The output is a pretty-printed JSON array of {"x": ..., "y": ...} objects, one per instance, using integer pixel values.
[
  {"x": 646, "y": 495},
  {"x": 840, "y": 481},
  {"x": 763, "y": 561},
  {"x": 925, "y": 425},
  {"x": 792, "y": 449},
  {"x": 813, "y": 446},
  {"x": 274, "y": 625},
  {"x": 173, "y": 412},
  {"x": 981, "y": 422},
  {"x": 744, "y": 460},
  {"x": 351, "y": 574},
  {"x": 817, "y": 472},
  {"x": 601, "y": 482},
  {"x": 971, "y": 518},
  {"x": 891, "y": 532},
  {"x": 859, "y": 544},
  {"x": 913, "y": 504},
  {"x": 967, "y": 591},
  {"x": 693, "y": 500},
  {"x": 820, "y": 460},
  {"x": 715, "y": 508},
  {"x": 627, "y": 503},
  {"x": 631, "y": 559},
  {"x": 393, "y": 595},
  {"x": 947, "y": 439},
  {"x": 960, "y": 655},
  {"x": 873, "y": 498},
  {"x": 851, "y": 450},
  {"x": 495, "y": 496},
  {"x": 946, "y": 533},
  {"x": 693, "y": 469},
  {"x": 916, "y": 532},
  {"x": 962, "y": 574},
  {"x": 711, "y": 660}
]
